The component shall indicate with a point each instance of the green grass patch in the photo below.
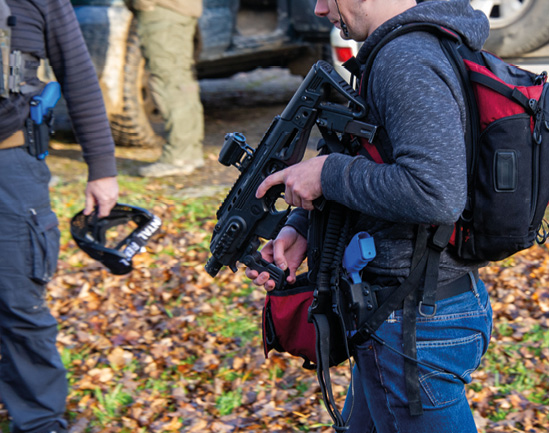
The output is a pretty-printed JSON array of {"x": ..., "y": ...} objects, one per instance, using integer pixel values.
[
  {"x": 227, "y": 402},
  {"x": 231, "y": 324},
  {"x": 110, "y": 404}
]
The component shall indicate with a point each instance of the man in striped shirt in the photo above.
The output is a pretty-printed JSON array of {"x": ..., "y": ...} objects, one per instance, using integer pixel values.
[{"x": 33, "y": 385}]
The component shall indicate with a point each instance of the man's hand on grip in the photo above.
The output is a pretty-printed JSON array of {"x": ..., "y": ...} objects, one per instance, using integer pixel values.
[
  {"x": 287, "y": 251},
  {"x": 302, "y": 182}
]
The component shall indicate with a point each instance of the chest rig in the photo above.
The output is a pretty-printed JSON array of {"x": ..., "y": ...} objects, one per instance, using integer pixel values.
[{"x": 16, "y": 68}]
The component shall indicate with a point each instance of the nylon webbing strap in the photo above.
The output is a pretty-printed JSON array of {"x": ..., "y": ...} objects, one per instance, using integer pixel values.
[
  {"x": 393, "y": 303},
  {"x": 411, "y": 372},
  {"x": 332, "y": 141},
  {"x": 513, "y": 94},
  {"x": 436, "y": 244},
  {"x": 23, "y": 73},
  {"x": 322, "y": 327},
  {"x": 325, "y": 302}
]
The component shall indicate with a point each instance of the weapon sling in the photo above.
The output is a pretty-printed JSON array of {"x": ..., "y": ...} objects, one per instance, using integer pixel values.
[{"x": 327, "y": 302}]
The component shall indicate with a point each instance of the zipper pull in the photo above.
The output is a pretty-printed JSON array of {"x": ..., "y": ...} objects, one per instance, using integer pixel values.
[
  {"x": 541, "y": 79},
  {"x": 538, "y": 125}
]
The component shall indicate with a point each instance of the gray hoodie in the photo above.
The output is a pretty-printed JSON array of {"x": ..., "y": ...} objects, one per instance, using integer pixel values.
[{"x": 415, "y": 95}]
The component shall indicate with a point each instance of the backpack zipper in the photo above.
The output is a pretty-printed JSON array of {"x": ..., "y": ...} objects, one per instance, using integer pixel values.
[{"x": 537, "y": 142}]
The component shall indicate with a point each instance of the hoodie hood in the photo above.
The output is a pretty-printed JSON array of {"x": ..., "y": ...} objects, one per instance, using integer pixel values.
[{"x": 456, "y": 15}]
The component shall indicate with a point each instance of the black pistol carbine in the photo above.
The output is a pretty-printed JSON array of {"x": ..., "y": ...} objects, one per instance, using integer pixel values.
[{"x": 242, "y": 218}]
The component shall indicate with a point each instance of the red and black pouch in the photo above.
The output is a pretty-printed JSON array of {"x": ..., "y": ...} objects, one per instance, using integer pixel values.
[
  {"x": 289, "y": 326},
  {"x": 286, "y": 326}
]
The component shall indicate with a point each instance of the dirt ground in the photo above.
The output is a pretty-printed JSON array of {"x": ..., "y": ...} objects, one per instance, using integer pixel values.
[
  {"x": 66, "y": 163},
  {"x": 236, "y": 105}
]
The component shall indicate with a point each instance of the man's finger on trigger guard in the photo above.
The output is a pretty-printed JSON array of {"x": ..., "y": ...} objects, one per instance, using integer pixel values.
[
  {"x": 268, "y": 183},
  {"x": 262, "y": 188}
]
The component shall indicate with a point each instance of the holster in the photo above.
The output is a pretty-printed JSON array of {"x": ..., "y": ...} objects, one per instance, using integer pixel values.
[{"x": 37, "y": 136}]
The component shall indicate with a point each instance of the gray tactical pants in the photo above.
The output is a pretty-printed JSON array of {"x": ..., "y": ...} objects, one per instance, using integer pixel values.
[
  {"x": 33, "y": 385},
  {"x": 167, "y": 44}
]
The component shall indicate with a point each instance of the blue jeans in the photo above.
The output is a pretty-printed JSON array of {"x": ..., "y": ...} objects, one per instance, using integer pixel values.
[{"x": 454, "y": 339}]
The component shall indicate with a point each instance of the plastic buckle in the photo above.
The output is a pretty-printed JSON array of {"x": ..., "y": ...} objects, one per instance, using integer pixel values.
[
  {"x": 361, "y": 335},
  {"x": 427, "y": 315},
  {"x": 441, "y": 237}
]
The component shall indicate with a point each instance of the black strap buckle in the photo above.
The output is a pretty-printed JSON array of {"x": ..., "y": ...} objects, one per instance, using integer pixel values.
[{"x": 441, "y": 237}]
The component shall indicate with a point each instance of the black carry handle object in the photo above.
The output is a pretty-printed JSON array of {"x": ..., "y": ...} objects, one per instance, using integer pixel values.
[{"x": 90, "y": 234}]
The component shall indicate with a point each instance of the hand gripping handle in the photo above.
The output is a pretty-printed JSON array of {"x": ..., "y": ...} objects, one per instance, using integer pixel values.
[{"x": 257, "y": 263}]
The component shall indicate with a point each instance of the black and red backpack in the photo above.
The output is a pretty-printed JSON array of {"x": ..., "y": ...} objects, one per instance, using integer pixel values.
[{"x": 507, "y": 139}]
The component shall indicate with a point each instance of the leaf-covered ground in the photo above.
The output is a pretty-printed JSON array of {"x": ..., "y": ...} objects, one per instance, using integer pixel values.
[{"x": 169, "y": 349}]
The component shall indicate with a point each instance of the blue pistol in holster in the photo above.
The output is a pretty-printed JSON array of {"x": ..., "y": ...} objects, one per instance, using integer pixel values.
[
  {"x": 39, "y": 125},
  {"x": 362, "y": 301}
]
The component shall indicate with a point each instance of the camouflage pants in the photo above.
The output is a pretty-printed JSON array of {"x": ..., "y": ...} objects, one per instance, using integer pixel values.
[{"x": 167, "y": 44}]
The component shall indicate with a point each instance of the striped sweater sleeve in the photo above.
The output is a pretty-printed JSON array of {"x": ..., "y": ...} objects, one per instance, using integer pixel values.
[{"x": 73, "y": 68}]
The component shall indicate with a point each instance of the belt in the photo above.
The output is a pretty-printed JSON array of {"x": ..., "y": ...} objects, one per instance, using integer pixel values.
[
  {"x": 457, "y": 287},
  {"x": 15, "y": 140}
]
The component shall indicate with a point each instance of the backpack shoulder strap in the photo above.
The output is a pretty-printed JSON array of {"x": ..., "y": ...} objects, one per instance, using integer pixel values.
[
  {"x": 456, "y": 52},
  {"x": 381, "y": 152},
  {"x": 435, "y": 29}
]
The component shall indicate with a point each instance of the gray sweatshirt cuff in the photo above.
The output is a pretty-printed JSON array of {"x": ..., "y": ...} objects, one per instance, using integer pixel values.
[
  {"x": 332, "y": 178},
  {"x": 299, "y": 220}
]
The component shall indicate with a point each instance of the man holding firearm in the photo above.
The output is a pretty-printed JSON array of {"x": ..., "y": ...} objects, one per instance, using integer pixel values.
[
  {"x": 414, "y": 95},
  {"x": 33, "y": 385}
]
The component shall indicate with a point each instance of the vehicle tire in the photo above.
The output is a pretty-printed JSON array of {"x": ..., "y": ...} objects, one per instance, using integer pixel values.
[
  {"x": 134, "y": 125},
  {"x": 518, "y": 28}
]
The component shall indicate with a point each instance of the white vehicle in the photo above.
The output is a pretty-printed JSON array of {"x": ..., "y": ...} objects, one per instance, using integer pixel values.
[
  {"x": 517, "y": 27},
  {"x": 342, "y": 50}
]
